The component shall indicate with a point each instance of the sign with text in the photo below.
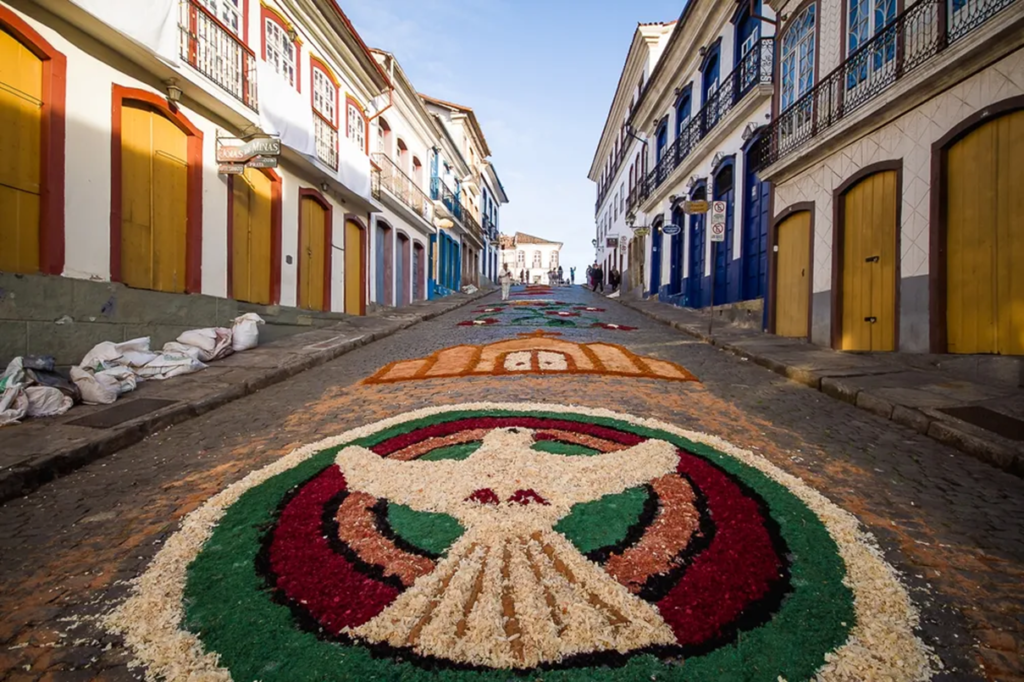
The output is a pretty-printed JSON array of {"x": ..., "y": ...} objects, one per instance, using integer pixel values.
[
  {"x": 671, "y": 230},
  {"x": 692, "y": 207},
  {"x": 230, "y": 168},
  {"x": 611, "y": 242},
  {"x": 261, "y": 146},
  {"x": 718, "y": 221}
]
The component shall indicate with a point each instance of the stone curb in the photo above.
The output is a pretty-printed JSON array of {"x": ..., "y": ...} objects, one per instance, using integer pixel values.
[
  {"x": 944, "y": 431},
  {"x": 20, "y": 480}
]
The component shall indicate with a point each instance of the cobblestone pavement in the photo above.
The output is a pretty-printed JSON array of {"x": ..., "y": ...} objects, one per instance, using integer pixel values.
[{"x": 951, "y": 524}]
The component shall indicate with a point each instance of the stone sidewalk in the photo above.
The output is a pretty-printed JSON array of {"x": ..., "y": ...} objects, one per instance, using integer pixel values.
[
  {"x": 38, "y": 451},
  {"x": 922, "y": 392}
]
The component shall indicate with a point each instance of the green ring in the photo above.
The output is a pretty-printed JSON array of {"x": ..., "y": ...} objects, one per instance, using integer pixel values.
[{"x": 229, "y": 608}]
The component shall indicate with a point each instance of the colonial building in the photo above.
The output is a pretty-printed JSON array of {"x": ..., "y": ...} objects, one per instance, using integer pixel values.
[
  {"x": 619, "y": 160},
  {"x": 896, "y": 155},
  {"x": 529, "y": 258},
  {"x": 493, "y": 198},
  {"x": 113, "y": 206},
  {"x": 698, "y": 113}
]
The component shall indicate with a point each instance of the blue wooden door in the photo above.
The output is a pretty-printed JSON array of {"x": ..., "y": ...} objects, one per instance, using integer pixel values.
[
  {"x": 401, "y": 284},
  {"x": 724, "y": 191},
  {"x": 695, "y": 281},
  {"x": 755, "y": 235},
  {"x": 379, "y": 263},
  {"x": 676, "y": 256},
  {"x": 655, "y": 261}
]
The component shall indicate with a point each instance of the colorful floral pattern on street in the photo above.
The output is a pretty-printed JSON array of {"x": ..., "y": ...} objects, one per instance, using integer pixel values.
[
  {"x": 616, "y": 327},
  {"x": 474, "y": 541},
  {"x": 538, "y": 313},
  {"x": 537, "y": 352}
]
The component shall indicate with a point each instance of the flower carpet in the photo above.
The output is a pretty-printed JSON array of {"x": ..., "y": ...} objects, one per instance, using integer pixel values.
[
  {"x": 540, "y": 313},
  {"x": 489, "y": 541}
]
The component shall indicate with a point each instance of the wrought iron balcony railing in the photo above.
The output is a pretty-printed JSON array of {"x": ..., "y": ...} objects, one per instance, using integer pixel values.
[
  {"x": 439, "y": 191},
  {"x": 388, "y": 176},
  {"x": 326, "y": 141},
  {"x": 756, "y": 68},
  {"x": 212, "y": 49},
  {"x": 912, "y": 38}
]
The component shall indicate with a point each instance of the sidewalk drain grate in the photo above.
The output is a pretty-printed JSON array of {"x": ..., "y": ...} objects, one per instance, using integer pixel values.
[
  {"x": 119, "y": 414},
  {"x": 990, "y": 420}
]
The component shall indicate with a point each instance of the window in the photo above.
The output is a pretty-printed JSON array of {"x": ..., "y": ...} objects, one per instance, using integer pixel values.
[
  {"x": 279, "y": 49},
  {"x": 521, "y": 258},
  {"x": 683, "y": 111},
  {"x": 554, "y": 260},
  {"x": 622, "y": 197},
  {"x": 229, "y": 12},
  {"x": 798, "y": 57},
  {"x": 325, "y": 109},
  {"x": 356, "y": 124},
  {"x": 383, "y": 136},
  {"x": 867, "y": 18},
  {"x": 537, "y": 260}
]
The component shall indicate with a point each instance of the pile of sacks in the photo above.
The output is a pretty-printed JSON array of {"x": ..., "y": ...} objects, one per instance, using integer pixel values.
[{"x": 31, "y": 386}]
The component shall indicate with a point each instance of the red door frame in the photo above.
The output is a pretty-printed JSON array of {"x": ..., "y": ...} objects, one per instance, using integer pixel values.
[
  {"x": 359, "y": 222},
  {"x": 275, "y": 234},
  {"x": 52, "y": 131},
  {"x": 319, "y": 198},
  {"x": 194, "y": 184}
]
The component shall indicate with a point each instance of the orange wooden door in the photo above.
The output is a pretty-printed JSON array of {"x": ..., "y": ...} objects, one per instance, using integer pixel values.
[
  {"x": 353, "y": 269},
  {"x": 153, "y": 201},
  {"x": 985, "y": 239},
  {"x": 869, "y": 264},
  {"x": 251, "y": 237},
  {"x": 21, "y": 90},
  {"x": 792, "y": 275},
  {"x": 312, "y": 250}
]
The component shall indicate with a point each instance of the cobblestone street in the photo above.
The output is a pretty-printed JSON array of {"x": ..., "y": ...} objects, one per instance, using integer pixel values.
[{"x": 952, "y": 526}]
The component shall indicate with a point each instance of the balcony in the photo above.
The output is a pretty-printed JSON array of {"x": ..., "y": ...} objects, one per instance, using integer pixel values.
[
  {"x": 388, "y": 176},
  {"x": 212, "y": 49},
  {"x": 756, "y": 68},
  {"x": 439, "y": 191},
  {"x": 490, "y": 228},
  {"x": 915, "y": 36},
  {"x": 326, "y": 141}
]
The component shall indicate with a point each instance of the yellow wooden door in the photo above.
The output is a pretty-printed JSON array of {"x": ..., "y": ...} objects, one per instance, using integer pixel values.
[
  {"x": 312, "y": 247},
  {"x": 792, "y": 270},
  {"x": 21, "y": 90},
  {"x": 353, "y": 268},
  {"x": 154, "y": 179},
  {"x": 869, "y": 264},
  {"x": 985, "y": 239},
  {"x": 251, "y": 236}
]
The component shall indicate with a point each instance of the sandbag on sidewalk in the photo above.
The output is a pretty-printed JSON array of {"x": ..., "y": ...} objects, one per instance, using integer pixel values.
[
  {"x": 214, "y": 343},
  {"x": 245, "y": 334},
  {"x": 46, "y": 401},
  {"x": 103, "y": 388},
  {"x": 168, "y": 364}
]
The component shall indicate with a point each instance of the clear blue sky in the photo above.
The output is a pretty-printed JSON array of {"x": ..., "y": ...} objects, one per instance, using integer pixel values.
[{"x": 540, "y": 75}]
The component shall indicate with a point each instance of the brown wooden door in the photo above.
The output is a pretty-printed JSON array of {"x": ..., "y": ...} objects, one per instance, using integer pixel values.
[
  {"x": 792, "y": 275},
  {"x": 252, "y": 207},
  {"x": 21, "y": 91},
  {"x": 869, "y": 264},
  {"x": 353, "y": 269},
  {"x": 312, "y": 252},
  {"x": 153, "y": 201},
  {"x": 985, "y": 239}
]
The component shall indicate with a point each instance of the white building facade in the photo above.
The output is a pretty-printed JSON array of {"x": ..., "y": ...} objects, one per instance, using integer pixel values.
[
  {"x": 129, "y": 105},
  {"x": 530, "y": 259},
  {"x": 700, "y": 112}
]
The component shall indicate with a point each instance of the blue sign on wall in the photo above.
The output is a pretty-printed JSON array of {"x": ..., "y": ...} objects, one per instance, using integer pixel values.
[{"x": 671, "y": 229}]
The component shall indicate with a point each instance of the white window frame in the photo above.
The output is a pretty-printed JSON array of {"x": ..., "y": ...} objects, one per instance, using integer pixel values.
[
  {"x": 325, "y": 96},
  {"x": 281, "y": 51},
  {"x": 228, "y": 12},
  {"x": 356, "y": 125}
]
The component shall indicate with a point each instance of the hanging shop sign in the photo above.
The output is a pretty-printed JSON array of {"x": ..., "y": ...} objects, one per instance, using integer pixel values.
[
  {"x": 611, "y": 242},
  {"x": 240, "y": 153},
  {"x": 671, "y": 230},
  {"x": 692, "y": 207}
]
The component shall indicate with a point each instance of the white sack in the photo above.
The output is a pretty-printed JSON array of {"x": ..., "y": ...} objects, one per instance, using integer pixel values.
[
  {"x": 94, "y": 391},
  {"x": 13, "y": 405},
  {"x": 173, "y": 347},
  {"x": 155, "y": 26},
  {"x": 46, "y": 401},
  {"x": 169, "y": 365},
  {"x": 122, "y": 379},
  {"x": 109, "y": 354},
  {"x": 285, "y": 111},
  {"x": 245, "y": 334},
  {"x": 213, "y": 342}
]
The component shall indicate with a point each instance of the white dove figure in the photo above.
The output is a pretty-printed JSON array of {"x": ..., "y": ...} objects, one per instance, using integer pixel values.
[{"x": 511, "y": 592}]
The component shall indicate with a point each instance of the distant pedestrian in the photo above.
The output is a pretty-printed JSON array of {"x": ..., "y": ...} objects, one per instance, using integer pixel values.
[
  {"x": 506, "y": 283},
  {"x": 598, "y": 278},
  {"x": 522, "y": 276},
  {"x": 572, "y": 276},
  {"x": 561, "y": 276},
  {"x": 614, "y": 278}
]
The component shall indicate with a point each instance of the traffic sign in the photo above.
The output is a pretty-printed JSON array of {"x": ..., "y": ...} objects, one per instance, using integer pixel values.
[
  {"x": 718, "y": 221},
  {"x": 671, "y": 229},
  {"x": 692, "y": 207}
]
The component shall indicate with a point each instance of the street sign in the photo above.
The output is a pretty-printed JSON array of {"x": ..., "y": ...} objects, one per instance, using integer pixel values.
[
  {"x": 230, "y": 168},
  {"x": 718, "y": 221},
  {"x": 641, "y": 231},
  {"x": 671, "y": 229},
  {"x": 692, "y": 207},
  {"x": 623, "y": 245},
  {"x": 261, "y": 146},
  {"x": 262, "y": 162}
]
